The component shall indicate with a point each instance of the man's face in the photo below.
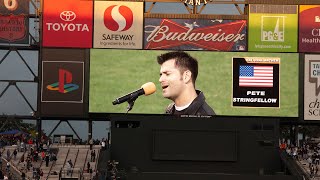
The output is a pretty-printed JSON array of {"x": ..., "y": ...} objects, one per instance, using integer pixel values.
[{"x": 171, "y": 80}]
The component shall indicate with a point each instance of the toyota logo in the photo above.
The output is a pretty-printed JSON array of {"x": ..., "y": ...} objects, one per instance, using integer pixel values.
[{"x": 68, "y": 16}]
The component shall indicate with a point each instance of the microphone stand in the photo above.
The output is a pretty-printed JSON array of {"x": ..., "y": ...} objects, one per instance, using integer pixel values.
[{"x": 131, "y": 101}]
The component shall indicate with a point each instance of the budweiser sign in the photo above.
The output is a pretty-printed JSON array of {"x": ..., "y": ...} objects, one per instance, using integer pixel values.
[{"x": 188, "y": 34}]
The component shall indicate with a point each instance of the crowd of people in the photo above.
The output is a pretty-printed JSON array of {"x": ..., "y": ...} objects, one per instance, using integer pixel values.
[
  {"x": 306, "y": 153},
  {"x": 26, "y": 154},
  {"x": 30, "y": 151},
  {"x": 112, "y": 170},
  {"x": 5, "y": 174}
]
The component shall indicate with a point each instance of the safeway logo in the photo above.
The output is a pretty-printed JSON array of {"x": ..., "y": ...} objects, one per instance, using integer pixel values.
[
  {"x": 118, "y": 18},
  {"x": 68, "y": 15}
]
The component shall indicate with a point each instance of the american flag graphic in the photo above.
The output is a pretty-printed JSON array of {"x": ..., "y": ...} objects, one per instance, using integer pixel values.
[{"x": 256, "y": 76}]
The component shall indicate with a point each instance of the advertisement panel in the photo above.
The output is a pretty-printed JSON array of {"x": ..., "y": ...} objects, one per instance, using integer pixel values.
[
  {"x": 114, "y": 73},
  {"x": 311, "y": 87},
  {"x": 309, "y": 28},
  {"x": 14, "y": 21},
  {"x": 273, "y": 28},
  {"x": 118, "y": 24},
  {"x": 60, "y": 79},
  {"x": 63, "y": 82},
  {"x": 195, "y": 34},
  {"x": 67, "y": 23},
  {"x": 256, "y": 82}
]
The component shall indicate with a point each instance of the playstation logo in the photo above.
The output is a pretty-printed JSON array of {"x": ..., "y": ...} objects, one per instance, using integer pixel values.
[{"x": 64, "y": 84}]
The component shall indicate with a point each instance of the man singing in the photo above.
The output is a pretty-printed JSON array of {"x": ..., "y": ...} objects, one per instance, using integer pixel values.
[{"x": 178, "y": 74}]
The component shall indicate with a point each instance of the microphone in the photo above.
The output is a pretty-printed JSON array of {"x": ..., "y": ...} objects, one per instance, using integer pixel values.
[{"x": 146, "y": 89}]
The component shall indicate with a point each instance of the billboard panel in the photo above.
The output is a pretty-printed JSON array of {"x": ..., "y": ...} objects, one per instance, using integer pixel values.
[
  {"x": 63, "y": 82},
  {"x": 256, "y": 82},
  {"x": 14, "y": 21},
  {"x": 309, "y": 28},
  {"x": 273, "y": 28},
  {"x": 114, "y": 73},
  {"x": 118, "y": 24},
  {"x": 67, "y": 23},
  {"x": 195, "y": 34},
  {"x": 311, "y": 87}
]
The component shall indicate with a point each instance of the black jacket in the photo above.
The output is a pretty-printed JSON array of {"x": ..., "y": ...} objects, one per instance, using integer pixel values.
[{"x": 197, "y": 107}]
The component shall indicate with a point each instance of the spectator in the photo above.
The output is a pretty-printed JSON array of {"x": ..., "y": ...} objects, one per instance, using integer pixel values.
[
  {"x": 34, "y": 173},
  {"x": 41, "y": 173},
  {"x": 53, "y": 157},
  {"x": 295, "y": 153},
  {"x": 70, "y": 162},
  {"x": 94, "y": 175},
  {"x": 68, "y": 168},
  {"x": 309, "y": 161},
  {"x": 15, "y": 152},
  {"x": 1, "y": 174},
  {"x": 43, "y": 155},
  {"x": 107, "y": 143},
  {"x": 90, "y": 171},
  {"x": 28, "y": 163},
  {"x": 103, "y": 144},
  {"x": 40, "y": 147},
  {"x": 88, "y": 166},
  {"x": 30, "y": 142},
  {"x": 38, "y": 173},
  {"x": 35, "y": 156},
  {"x": 18, "y": 145},
  {"x": 109, "y": 166},
  {"x": 91, "y": 143},
  {"x": 47, "y": 159},
  {"x": 8, "y": 168},
  {"x": 8, "y": 154},
  {"x": 22, "y": 159},
  {"x": 23, "y": 176},
  {"x": 25, "y": 147},
  {"x": 312, "y": 171},
  {"x": 317, "y": 159},
  {"x": 22, "y": 146},
  {"x": 93, "y": 155},
  {"x": 49, "y": 142}
]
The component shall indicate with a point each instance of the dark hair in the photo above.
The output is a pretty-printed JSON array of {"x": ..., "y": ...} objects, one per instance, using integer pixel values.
[{"x": 183, "y": 62}]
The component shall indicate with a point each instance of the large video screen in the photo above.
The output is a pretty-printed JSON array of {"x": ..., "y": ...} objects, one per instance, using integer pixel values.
[{"x": 115, "y": 72}]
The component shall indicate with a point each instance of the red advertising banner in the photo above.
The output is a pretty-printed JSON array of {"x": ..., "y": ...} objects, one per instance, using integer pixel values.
[
  {"x": 309, "y": 28},
  {"x": 195, "y": 34},
  {"x": 14, "y": 23},
  {"x": 67, "y": 23}
]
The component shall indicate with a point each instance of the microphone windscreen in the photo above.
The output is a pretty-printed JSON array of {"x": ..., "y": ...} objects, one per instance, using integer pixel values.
[{"x": 149, "y": 88}]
